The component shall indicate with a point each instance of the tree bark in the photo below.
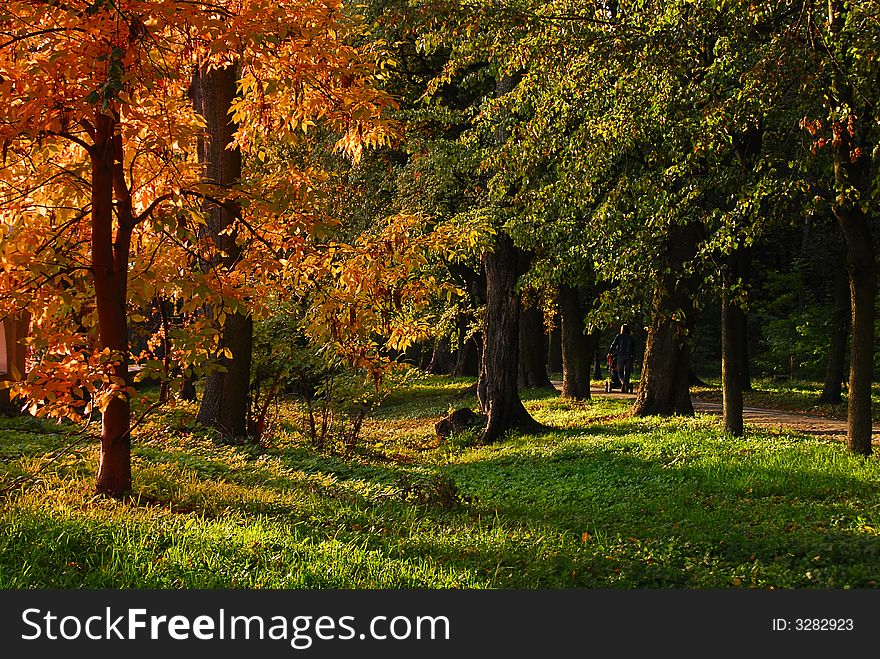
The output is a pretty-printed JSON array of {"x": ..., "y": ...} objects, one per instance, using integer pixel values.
[
  {"x": 838, "y": 331},
  {"x": 554, "y": 349},
  {"x": 110, "y": 275},
  {"x": 731, "y": 360},
  {"x": 497, "y": 390},
  {"x": 862, "y": 282},
  {"x": 664, "y": 384},
  {"x": 577, "y": 349},
  {"x": 532, "y": 350},
  {"x": 225, "y": 398}
]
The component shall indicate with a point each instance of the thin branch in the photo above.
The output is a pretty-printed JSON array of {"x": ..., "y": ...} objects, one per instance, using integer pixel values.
[
  {"x": 220, "y": 204},
  {"x": 73, "y": 138}
]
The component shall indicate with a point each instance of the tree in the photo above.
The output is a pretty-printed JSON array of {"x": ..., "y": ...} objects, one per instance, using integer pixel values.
[
  {"x": 497, "y": 386},
  {"x": 225, "y": 398},
  {"x": 578, "y": 347},
  {"x": 102, "y": 196},
  {"x": 852, "y": 117},
  {"x": 532, "y": 350}
]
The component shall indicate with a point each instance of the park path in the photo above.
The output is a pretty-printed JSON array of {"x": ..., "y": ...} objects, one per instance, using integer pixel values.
[{"x": 768, "y": 418}]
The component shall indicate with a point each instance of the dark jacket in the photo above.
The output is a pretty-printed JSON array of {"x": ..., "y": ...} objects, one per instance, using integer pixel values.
[{"x": 623, "y": 345}]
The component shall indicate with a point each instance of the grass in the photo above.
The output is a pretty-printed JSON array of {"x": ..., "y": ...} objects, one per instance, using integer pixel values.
[
  {"x": 603, "y": 501},
  {"x": 790, "y": 396}
]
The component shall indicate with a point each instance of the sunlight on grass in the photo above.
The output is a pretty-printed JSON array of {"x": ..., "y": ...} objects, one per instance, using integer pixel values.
[{"x": 601, "y": 501}]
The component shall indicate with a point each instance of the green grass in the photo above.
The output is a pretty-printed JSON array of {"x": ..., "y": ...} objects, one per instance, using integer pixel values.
[
  {"x": 603, "y": 501},
  {"x": 789, "y": 396}
]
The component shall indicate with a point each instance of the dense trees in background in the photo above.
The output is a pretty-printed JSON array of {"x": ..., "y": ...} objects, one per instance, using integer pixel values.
[
  {"x": 173, "y": 195},
  {"x": 665, "y": 144}
]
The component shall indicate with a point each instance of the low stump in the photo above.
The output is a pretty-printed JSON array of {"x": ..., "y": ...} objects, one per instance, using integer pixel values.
[{"x": 459, "y": 421}]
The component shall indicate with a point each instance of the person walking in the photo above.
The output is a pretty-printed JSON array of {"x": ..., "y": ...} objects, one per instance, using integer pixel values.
[{"x": 624, "y": 347}]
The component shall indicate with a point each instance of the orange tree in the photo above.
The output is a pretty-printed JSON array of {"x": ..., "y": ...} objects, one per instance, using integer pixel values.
[{"x": 102, "y": 201}]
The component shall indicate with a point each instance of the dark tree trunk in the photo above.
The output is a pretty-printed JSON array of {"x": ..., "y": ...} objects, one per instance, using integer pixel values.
[
  {"x": 187, "y": 388},
  {"x": 13, "y": 356},
  {"x": 467, "y": 358},
  {"x": 554, "y": 348},
  {"x": 225, "y": 397},
  {"x": 110, "y": 272},
  {"x": 577, "y": 348},
  {"x": 742, "y": 264},
  {"x": 441, "y": 359},
  {"x": 838, "y": 334},
  {"x": 664, "y": 384},
  {"x": 532, "y": 350},
  {"x": 497, "y": 390},
  {"x": 731, "y": 360},
  {"x": 742, "y": 319},
  {"x": 734, "y": 324},
  {"x": 862, "y": 283}
]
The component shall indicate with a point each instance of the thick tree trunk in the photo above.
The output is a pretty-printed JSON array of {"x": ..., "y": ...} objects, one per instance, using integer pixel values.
[
  {"x": 225, "y": 398},
  {"x": 862, "y": 282},
  {"x": 664, "y": 384},
  {"x": 838, "y": 331},
  {"x": 731, "y": 360},
  {"x": 109, "y": 275},
  {"x": 497, "y": 390},
  {"x": 532, "y": 350},
  {"x": 577, "y": 349},
  {"x": 663, "y": 387}
]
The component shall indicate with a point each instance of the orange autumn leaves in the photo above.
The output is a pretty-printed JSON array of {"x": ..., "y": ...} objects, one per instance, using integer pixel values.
[{"x": 64, "y": 66}]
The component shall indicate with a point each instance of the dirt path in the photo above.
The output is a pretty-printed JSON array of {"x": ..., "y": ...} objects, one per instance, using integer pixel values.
[
  {"x": 807, "y": 423},
  {"x": 759, "y": 416}
]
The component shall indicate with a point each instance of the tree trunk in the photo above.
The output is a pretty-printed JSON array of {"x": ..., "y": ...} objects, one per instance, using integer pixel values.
[
  {"x": 742, "y": 319},
  {"x": 225, "y": 398},
  {"x": 664, "y": 384},
  {"x": 187, "y": 388},
  {"x": 838, "y": 334},
  {"x": 862, "y": 283},
  {"x": 497, "y": 391},
  {"x": 731, "y": 360},
  {"x": 742, "y": 268},
  {"x": 554, "y": 349},
  {"x": 532, "y": 350},
  {"x": 577, "y": 349},
  {"x": 467, "y": 358},
  {"x": 110, "y": 275},
  {"x": 441, "y": 359}
]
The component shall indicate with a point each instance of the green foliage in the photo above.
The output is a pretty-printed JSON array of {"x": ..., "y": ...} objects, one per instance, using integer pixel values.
[
  {"x": 334, "y": 398},
  {"x": 794, "y": 328},
  {"x": 437, "y": 490}
]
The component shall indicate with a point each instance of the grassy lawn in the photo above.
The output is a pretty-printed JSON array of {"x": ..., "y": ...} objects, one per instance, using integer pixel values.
[
  {"x": 790, "y": 396},
  {"x": 604, "y": 501}
]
